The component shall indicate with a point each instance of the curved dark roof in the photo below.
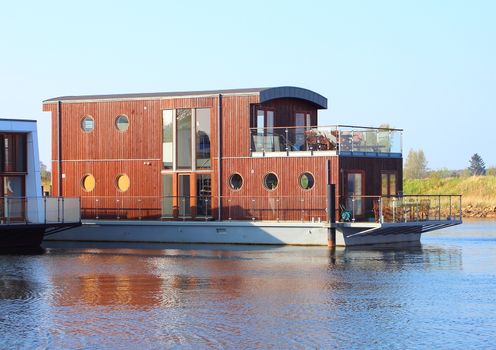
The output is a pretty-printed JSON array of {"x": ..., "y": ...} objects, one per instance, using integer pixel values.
[
  {"x": 266, "y": 94},
  {"x": 293, "y": 92}
]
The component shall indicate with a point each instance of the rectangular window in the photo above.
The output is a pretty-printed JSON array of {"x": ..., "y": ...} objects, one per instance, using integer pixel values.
[
  {"x": 299, "y": 143},
  {"x": 203, "y": 137},
  {"x": 167, "y": 138},
  {"x": 167, "y": 195},
  {"x": 183, "y": 134},
  {"x": 204, "y": 195},
  {"x": 354, "y": 193},
  {"x": 388, "y": 184}
]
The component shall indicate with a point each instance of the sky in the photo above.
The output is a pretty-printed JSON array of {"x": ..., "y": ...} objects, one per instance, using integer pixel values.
[{"x": 425, "y": 66}]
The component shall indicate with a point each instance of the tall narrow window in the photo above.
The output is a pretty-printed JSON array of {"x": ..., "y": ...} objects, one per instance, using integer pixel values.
[
  {"x": 183, "y": 125},
  {"x": 203, "y": 138},
  {"x": 167, "y": 136},
  {"x": 299, "y": 142},
  {"x": 184, "y": 195},
  {"x": 203, "y": 195},
  {"x": 354, "y": 193},
  {"x": 167, "y": 195}
]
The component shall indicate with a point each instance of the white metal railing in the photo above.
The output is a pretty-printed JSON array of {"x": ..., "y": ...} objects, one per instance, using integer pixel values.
[{"x": 39, "y": 210}]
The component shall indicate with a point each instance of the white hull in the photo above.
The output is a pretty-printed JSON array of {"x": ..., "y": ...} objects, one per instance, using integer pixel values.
[
  {"x": 229, "y": 232},
  {"x": 247, "y": 232}
]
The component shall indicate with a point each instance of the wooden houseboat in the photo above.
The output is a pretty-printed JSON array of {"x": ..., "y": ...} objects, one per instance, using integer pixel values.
[
  {"x": 232, "y": 166},
  {"x": 26, "y": 216}
]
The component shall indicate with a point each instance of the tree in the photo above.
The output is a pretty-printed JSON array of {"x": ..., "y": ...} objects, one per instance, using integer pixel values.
[
  {"x": 415, "y": 165},
  {"x": 477, "y": 166},
  {"x": 46, "y": 177}
]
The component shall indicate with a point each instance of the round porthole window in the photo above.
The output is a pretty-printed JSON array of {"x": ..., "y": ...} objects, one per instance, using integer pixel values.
[
  {"x": 88, "y": 182},
  {"x": 122, "y": 182},
  {"x": 235, "y": 181},
  {"x": 87, "y": 123},
  {"x": 306, "y": 181},
  {"x": 270, "y": 181},
  {"x": 122, "y": 123}
]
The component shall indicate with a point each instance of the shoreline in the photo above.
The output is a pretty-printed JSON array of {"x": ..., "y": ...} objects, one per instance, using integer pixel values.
[{"x": 470, "y": 212}]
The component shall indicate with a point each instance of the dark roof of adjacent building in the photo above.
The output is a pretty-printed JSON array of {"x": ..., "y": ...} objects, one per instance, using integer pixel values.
[{"x": 266, "y": 94}]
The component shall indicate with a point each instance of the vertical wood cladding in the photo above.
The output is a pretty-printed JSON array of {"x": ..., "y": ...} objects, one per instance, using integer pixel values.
[
  {"x": 285, "y": 110},
  {"x": 372, "y": 168}
]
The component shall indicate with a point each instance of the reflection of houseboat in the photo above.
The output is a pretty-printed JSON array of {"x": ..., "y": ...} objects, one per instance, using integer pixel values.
[
  {"x": 232, "y": 166},
  {"x": 25, "y": 216}
]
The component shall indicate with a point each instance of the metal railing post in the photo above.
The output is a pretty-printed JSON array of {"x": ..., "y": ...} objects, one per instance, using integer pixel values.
[{"x": 286, "y": 131}]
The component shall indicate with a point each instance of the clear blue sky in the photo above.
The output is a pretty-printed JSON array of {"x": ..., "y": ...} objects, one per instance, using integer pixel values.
[{"x": 427, "y": 66}]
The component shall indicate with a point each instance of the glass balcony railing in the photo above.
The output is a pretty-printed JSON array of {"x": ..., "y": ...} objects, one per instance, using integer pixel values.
[{"x": 338, "y": 138}]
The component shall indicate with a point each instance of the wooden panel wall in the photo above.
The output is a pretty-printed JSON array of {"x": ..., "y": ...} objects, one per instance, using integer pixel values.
[
  {"x": 373, "y": 168},
  {"x": 285, "y": 110}
]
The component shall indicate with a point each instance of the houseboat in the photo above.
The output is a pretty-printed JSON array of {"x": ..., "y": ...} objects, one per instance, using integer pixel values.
[
  {"x": 26, "y": 216},
  {"x": 247, "y": 166}
]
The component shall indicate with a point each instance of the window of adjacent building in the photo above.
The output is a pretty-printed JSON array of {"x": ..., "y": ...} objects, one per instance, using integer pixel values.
[
  {"x": 167, "y": 137},
  {"x": 306, "y": 181},
  {"x": 87, "y": 123},
  {"x": 88, "y": 182},
  {"x": 203, "y": 138},
  {"x": 388, "y": 184},
  {"x": 183, "y": 132},
  {"x": 122, "y": 182},
  {"x": 235, "y": 181},
  {"x": 270, "y": 181},
  {"x": 122, "y": 123},
  {"x": 13, "y": 157}
]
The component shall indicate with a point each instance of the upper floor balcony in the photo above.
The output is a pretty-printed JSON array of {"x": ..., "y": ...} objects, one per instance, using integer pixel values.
[{"x": 326, "y": 140}]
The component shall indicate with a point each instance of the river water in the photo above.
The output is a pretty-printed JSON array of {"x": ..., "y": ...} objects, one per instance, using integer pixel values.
[{"x": 441, "y": 294}]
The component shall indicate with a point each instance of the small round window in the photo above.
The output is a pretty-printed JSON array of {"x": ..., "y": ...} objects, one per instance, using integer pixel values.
[
  {"x": 88, "y": 182},
  {"x": 87, "y": 123},
  {"x": 306, "y": 181},
  {"x": 235, "y": 181},
  {"x": 122, "y": 123},
  {"x": 122, "y": 182},
  {"x": 270, "y": 181}
]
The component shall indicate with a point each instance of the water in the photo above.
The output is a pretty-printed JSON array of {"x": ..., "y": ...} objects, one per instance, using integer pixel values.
[{"x": 437, "y": 295}]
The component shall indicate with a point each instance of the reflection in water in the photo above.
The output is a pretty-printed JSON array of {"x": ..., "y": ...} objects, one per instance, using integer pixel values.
[{"x": 160, "y": 296}]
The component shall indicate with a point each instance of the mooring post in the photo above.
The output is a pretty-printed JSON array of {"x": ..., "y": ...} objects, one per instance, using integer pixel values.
[{"x": 331, "y": 207}]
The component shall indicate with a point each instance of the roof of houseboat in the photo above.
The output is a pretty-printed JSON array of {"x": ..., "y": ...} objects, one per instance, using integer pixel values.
[{"x": 266, "y": 94}]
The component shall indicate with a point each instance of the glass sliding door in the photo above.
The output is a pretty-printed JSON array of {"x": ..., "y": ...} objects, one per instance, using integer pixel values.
[
  {"x": 354, "y": 193},
  {"x": 204, "y": 195},
  {"x": 184, "y": 195}
]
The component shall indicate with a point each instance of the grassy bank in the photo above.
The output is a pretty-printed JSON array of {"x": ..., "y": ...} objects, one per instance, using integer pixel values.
[{"x": 478, "y": 191}]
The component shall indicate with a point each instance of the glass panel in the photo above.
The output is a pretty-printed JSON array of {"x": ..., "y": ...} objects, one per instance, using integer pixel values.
[
  {"x": 122, "y": 182},
  {"x": 203, "y": 194},
  {"x": 167, "y": 135},
  {"x": 299, "y": 143},
  {"x": 183, "y": 125},
  {"x": 184, "y": 196},
  {"x": 271, "y": 181},
  {"x": 13, "y": 187},
  {"x": 308, "y": 121},
  {"x": 236, "y": 181},
  {"x": 20, "y": 161},
  {"x": 384, "y": 185},
  {"x": 306, "y": 181},
  {"x": 354, "y": 200},
  {"x": 9, "y": 153},
  {"x": 87, "y": 124},
  {"x": 203, "y": 138},
  {"x": 122, "y": 123},
  {"x": 167, "y": 195},
  {"x": 88, "y": 182},
  {"x": 392, "y": 184}
]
